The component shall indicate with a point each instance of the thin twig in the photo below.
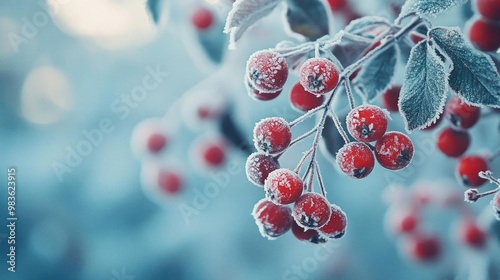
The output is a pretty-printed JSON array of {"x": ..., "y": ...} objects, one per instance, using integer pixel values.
[
  {"x": 320, "y": 178},
  {"x": 306, "y": 115},
  {"x": 348, "y": 89},
  {"x": 338, "y": 125},
  {"x": 303, "y": 136},
  {"x": 301, "y": 161}
]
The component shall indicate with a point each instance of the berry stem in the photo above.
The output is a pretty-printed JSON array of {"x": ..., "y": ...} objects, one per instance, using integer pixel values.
[
  {"x": 488, "y": 175},
  {"x": 338, "y": 125},
  {"x": 302, "y": 160},
  {"x": 295, "y": 50},
  {"x": 391, "y": 39},
  {"x": 311, "y": 176},
  {"x": 320, "y": 179},
  {"x": 303, "y": 136},
  {"x": 348, "y": 90},
  {"x": 306, "y": 115},
  {"x": 316, "y": 50}
]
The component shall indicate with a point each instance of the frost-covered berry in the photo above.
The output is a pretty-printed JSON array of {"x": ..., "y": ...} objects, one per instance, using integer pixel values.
[
  {"x": 366, "y": 123},
  {"x": 311, "y": 210},
  {"x": 156, "y": 142},
  {"x": 258, "y": 167},
  {"x": 267, "y": 71},
  {"x": 202, "y": 18},
  {"x": 271, "y": 219},
  {"x": 483, "y": 34},
  {"x": 306, "y": 235},
  {"x": 470, "y": 234},
  {"x": 402, "y": 221},
  {"x": 214, "y": 154},
  {"x": 336, "y": 226},
  {"x": 424, "y": 248},
  {"x": 453, "y": 142},
  {"x": 394, "y": 150},
  {"x": 260, "y": 95},
  {"x": 148, "y": 138},
  {"x": 356, "y": 160},
  {"x": 283, "y": 186},
  {"x": 169, "y": 181},
  {"x": 272, "y": 135},
  {"x": 318, "y": 75},
  {"x": 468, "y": 169},
  {"x": 303, "y": 100},
  {"x": 390, "y": 98},
  {"x": 460, "y": 114},
  {"x": 489, "y": 9},
  {"x": 471, "y": 195}
]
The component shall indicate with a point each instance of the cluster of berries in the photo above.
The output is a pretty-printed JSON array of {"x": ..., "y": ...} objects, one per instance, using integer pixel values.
[
  {"x": 368, "y": 123},
  {"x": 484, "y": 29},
  {"x": 404, "y": 220},
  {"x": 151, "y": 138},
  {"x": 312, "y": 219}
]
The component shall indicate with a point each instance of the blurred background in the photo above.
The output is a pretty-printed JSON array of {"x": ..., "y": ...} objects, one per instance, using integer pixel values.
[{"x": 78, "y": 80}]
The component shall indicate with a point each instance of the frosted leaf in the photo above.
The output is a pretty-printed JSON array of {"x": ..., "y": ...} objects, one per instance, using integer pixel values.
[
  {"x": 350, "y": 48},
  {"x": 369, "y": 26},
  {"x": 308, "y": 18},
  {"x": 429, "y": 7},
  {"x": 474, "y": 77},
  {"x": 423, "y": 94},
  {"x": 244, "y": 14},
  {"x": 154, "y": 9},
  {"x": 376, "y": 75}
]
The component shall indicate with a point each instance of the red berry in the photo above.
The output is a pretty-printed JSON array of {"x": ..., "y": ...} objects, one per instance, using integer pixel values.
[
  {"x": 267, "y": 71},
  {"x": 390, "y": 98},
  {"x": 260, "y": 95},
  {"x": 156, "y": 142},
  {"x": 453, "y": 142},
  {"x": 258, "y": 167},
  {"x": 424, "y": 248},
  {"x": 318, "y": 75},
  {"x": 304, "y": 100},
  {"x": 273, "y": 220},
  {"x": 483, "y": 34},
  {"x": 460, "y": 114},
  {"x": 272, "y": 135},
  {"x": 202, "y": 18},
  {"x": 307, "y": 235},
  {"x": 170, "y": 182},
  {"x": 489, "y": 9},
  {"x": 470, "y": 234},
  {"x": 394, "y": 150},
  {"x": 337, "y": 5},
  {"x": 366, "y": 123},
  {"x": 148, "y": 138},
  {"x": 209, "y": 152},
  {"x": 468, "y": 169},
  {"x": 283, "y": 186},
  {"x": 356, "y": 160},
  {"x": 402, "y": 221},
  {"x": 336, "y": 226},
  {"x": 311, "y": 210}
]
